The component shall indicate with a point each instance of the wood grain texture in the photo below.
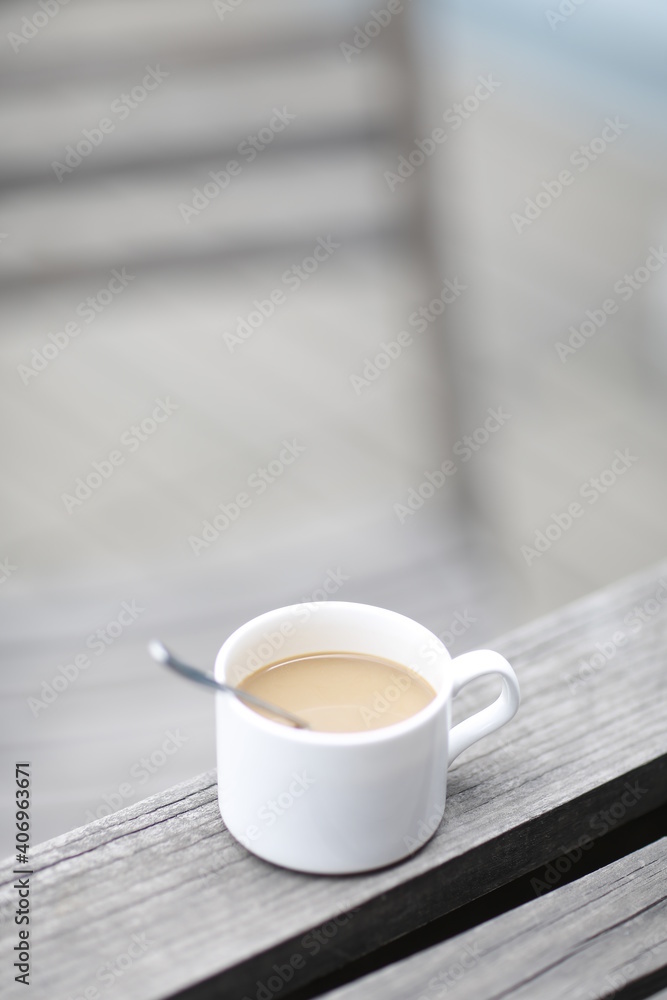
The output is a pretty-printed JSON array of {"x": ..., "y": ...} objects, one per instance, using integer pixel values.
[
  {"x": 217, "y": 919},
  {"x": 331, "y": 99},
  {"x": 285, "y": 202},
  {"x": 603, "y": 935},
  {"x": 92, "y": 44},
  {"x": 321, "y": 171}
]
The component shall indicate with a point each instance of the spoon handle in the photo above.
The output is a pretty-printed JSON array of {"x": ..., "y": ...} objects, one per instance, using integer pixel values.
[{"x": 160, "y": 653}]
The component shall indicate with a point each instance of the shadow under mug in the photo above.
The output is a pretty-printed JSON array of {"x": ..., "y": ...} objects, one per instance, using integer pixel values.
[{"x": 339, "y": 803}]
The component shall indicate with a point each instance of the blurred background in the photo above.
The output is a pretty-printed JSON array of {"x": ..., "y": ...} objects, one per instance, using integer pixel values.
[{"x": 307, "y": 301}]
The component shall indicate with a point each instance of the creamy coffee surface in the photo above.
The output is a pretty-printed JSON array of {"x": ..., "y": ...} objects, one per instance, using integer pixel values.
[{"x": 341, "y": 692}]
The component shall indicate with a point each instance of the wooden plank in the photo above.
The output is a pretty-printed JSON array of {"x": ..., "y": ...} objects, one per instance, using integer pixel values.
[
  {"x": 603, "y": 935},
  {"x": 277, "y": 204},
  {"x": 333, "y": 104},
  {"x": 85, "y": 45},
  {"x": 219, "y": 919}
]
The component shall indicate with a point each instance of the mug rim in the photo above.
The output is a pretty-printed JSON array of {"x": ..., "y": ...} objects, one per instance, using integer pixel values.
[{"x": 316, "y": 737}]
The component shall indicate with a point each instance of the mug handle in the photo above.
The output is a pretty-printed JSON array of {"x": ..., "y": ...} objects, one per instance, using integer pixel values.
[{"x": 468, "y": 667}]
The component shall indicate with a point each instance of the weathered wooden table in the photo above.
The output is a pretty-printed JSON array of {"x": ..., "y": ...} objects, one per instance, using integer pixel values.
[{"x": 547, "y": 877}]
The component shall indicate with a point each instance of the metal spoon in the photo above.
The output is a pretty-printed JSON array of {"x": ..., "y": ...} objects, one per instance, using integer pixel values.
[{"x": 161, "y": 654}]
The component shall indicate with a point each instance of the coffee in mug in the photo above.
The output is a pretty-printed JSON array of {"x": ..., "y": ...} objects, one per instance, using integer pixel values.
[{"x": 341, "y": 692}]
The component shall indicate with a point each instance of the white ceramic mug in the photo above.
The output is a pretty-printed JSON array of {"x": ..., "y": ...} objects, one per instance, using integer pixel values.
[{"x": 338, "y": 803}]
